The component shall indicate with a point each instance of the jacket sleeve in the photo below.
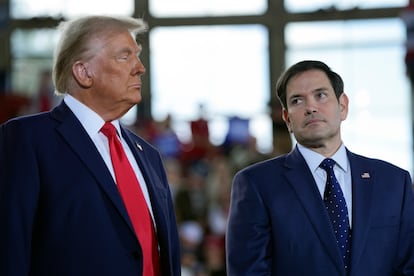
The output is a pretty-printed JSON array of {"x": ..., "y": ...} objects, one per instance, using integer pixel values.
[
  {"x": 406, "y": 240},
  {"x": 19, "y": 189},
  {"x": 248, "y": 231}
]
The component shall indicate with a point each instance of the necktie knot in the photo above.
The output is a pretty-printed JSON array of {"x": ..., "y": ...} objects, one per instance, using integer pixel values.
[
  {"x": 108, "y": 130},
  {"x": 327, "y": 164}
]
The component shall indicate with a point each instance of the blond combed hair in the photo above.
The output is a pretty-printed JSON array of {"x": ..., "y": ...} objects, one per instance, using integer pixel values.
[{"x": 74, "y": 40}]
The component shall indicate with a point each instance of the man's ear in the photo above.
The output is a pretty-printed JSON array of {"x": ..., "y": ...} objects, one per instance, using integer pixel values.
[
  {"x": 343, "y": 105},
  {"x": 285, "y": 117},
  {"x": 81, "y": 74}
]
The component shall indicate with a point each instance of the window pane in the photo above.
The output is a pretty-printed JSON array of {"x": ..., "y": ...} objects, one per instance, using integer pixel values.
[
  {"x": 308, "y": 6},
  {"x": 168, "y": 8},
  {"x": 345, "y": 33},
  {"x": 379, "y": 119},
  {"x": 32, "y": 52},
  {"x": 68, "y": 8},
  {"x": 34, "y": 42},
  {"x": 223, "y": 68}
]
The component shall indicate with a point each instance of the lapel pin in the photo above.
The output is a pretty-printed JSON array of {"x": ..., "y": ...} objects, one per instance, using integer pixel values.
[
  {"x": 365, "y": 175},
  {"x": 139, "y": 146}
]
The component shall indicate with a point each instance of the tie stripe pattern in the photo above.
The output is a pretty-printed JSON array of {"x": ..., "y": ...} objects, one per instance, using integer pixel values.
[
  {"x": 337, "y": 210},
  {"x": 134, "y": 201}
]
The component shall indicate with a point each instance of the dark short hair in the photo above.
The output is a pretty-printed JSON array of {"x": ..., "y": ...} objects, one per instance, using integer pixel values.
[{"x": 306, "y": 65}]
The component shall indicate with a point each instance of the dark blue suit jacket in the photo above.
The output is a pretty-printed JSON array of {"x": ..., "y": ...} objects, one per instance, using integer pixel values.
[
  {"x": 60, "y": 211},
  {"x": 278, "y": 224}
]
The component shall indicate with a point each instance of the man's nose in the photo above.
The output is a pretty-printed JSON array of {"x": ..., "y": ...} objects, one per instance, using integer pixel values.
[
  {"x": 139, "y": 67},
  {"x": 310, "y": 107}
]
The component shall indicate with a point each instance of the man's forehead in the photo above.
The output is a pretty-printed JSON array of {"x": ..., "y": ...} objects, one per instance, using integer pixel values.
[
  {"x": 116, "y": 40},
  {"x": 310, "y": 74}
]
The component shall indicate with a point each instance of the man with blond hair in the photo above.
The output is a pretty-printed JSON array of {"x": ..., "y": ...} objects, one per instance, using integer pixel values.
[{"x": 79, "y": 193}]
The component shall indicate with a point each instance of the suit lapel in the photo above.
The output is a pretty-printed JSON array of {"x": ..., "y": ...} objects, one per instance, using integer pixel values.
[
  {"x": 151, "y": 178},
  {"x": 302, "y": 181},
  {"x": 362, "y": 185},
  {"x": 77, "y": 138}
]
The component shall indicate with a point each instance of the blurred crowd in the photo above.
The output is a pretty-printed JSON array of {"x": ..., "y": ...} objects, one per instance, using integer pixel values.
[{"x": 200, "y": 176}]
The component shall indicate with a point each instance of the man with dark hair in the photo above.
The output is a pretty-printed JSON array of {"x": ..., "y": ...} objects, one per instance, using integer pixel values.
[{"x": 320, "y": 209}]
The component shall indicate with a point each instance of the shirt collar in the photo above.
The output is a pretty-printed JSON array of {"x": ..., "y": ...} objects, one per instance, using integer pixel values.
[
  {"x": 89, "y": 119},
  {"x": 314, "y": 159}
]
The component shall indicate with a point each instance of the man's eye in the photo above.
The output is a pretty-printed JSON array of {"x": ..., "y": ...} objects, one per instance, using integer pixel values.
[
  {"x": 123, "y": 57},
  {"x": 322, "y": 96},
  {"x": 295, "y": 101}
]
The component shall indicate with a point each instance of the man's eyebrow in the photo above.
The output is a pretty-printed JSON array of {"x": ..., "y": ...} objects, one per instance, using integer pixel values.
[
  {"x": 128, "y": 50},
  {"x": 293, "y": 96},
  {"x": 316, "y": 90},
  {"x": 320, "y": 89},
  {"x": 124, "y": 50}
]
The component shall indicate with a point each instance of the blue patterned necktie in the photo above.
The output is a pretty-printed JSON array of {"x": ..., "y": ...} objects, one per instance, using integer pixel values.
[{"x": 337, "y": 210}]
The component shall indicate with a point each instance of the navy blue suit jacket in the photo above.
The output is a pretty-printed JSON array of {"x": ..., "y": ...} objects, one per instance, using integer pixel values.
[
  {"x": 60, "y": 211},
  {"x": 278, "y": 224}
]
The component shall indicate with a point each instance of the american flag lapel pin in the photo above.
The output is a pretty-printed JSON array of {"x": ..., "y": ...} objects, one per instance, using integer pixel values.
[
  {"x": 365, "y": 175},
  {"x": 139, "y": 146}
]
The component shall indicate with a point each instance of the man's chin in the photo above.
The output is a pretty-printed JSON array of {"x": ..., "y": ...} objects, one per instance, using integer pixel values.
[
  {"x": 311, "y": 142},
  {"x": 136, "y": 100}
]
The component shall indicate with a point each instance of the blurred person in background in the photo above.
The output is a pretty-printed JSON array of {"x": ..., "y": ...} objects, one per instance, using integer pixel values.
[{"x": 45, "y": 99}]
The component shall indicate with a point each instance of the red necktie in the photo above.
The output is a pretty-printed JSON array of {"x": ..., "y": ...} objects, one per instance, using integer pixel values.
[{"x": 134, "y": 201}]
